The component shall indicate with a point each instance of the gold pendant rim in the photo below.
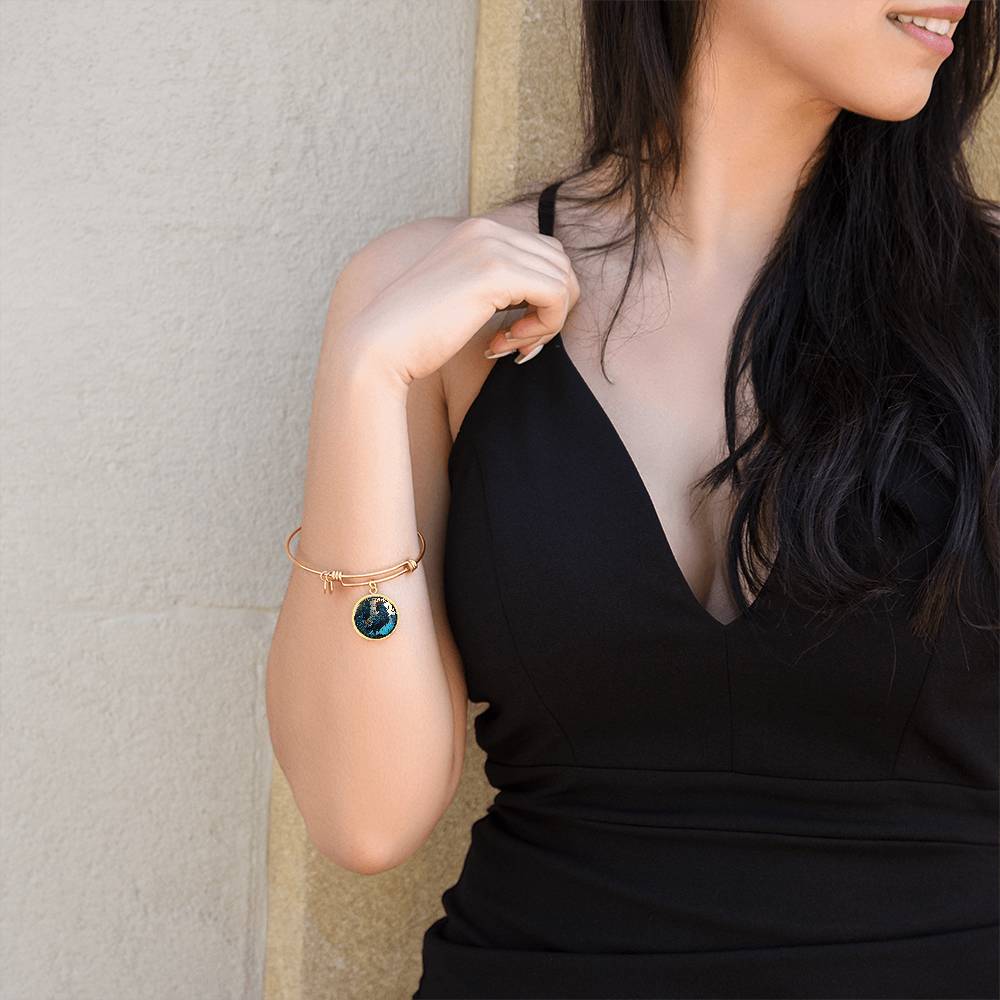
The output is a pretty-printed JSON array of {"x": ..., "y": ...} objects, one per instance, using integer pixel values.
[{"x": 366, "y": 597}]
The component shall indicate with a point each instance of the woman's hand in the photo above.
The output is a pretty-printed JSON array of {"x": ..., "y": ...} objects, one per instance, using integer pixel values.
[{"x": 427, "y": 314}]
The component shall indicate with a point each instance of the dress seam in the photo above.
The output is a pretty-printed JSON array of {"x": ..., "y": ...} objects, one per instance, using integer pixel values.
[
  {"x": 729, "y": 689},
  {"x": 972, "y": 929},
  {"x": 928, "y": 666},
  {"x": 759, "y": 833},
  {"x": 747, "y": 774}
]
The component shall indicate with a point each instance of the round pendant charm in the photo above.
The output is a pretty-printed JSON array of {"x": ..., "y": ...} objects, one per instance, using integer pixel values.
[{"x": 375, "y": 616}]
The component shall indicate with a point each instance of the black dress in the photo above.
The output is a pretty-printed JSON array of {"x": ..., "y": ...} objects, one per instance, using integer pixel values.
[{"x": 765, "y": 808}]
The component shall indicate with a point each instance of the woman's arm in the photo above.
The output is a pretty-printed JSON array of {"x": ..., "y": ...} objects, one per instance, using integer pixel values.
[
  {"x": 368, "y": 733},
  {"x": 371, "y": 734}
]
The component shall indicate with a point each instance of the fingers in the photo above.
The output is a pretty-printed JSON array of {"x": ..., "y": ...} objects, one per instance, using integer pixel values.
[
  {"x": 503, "y": 241},
  {"x": 548, "y": 299},
  {"x": 531, "y": 327},
  {"x": 514, "y": 269},
  {"x": 539, "y": 244},
  {"x": 507, "y": 340}
]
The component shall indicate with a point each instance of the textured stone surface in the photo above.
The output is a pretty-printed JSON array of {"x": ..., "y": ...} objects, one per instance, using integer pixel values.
[
  {"x": 526, "y": 118},
  {"x": 181, "y": 182}
]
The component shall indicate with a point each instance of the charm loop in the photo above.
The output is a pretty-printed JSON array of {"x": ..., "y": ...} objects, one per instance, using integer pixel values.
[{"x": 375, "y": 616}]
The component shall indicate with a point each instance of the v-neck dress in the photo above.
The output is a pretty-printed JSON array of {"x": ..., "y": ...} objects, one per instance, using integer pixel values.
[{"x": 767, "y": 808}]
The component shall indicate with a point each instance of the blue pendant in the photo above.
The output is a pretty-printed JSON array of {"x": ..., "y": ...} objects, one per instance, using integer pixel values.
[{"x": 375, "y": 616}]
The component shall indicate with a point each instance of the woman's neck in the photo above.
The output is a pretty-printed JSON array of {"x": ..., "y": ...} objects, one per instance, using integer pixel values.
[{"x": 750, "y": 127}]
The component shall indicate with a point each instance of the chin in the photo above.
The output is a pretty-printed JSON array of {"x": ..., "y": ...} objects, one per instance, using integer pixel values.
[{"x": 897, "y": 108}]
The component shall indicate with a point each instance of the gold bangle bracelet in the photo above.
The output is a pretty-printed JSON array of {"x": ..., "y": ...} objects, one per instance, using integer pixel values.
[{"x": 375, "y": 616}]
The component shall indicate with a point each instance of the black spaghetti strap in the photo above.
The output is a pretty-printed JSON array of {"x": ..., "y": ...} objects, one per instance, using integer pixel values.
[{"x": 547, "y": 209}]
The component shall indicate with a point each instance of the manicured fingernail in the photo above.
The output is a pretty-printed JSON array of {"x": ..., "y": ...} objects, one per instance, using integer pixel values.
[
  {"x": 529, "y": 355},
  {"x": 489, "y": 354}
]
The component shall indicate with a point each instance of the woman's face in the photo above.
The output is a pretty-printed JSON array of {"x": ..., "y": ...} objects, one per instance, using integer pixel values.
[{"x": 852, "y": 53}]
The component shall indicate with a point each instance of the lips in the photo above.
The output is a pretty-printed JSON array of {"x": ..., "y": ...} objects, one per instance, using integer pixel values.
[
  {"x": 947, "y": 12},
  {"x": 940, "y": 44}
]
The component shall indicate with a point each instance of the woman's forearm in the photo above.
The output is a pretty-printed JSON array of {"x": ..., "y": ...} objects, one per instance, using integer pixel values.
[{"x": 362, "y": 729}]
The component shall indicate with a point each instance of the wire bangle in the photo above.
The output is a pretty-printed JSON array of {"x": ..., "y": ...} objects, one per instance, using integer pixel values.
[{"x": 331, "y": 576}]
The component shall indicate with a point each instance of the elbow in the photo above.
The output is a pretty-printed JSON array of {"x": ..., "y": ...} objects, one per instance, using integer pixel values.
[
  {"x": 366, "y": 855},
  {"x": 376, "y": 839}
]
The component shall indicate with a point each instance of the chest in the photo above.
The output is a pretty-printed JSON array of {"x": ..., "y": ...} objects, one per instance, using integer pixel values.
[
  {"x": 665, "y": 403},
  {"x": 576, "y": 624}
]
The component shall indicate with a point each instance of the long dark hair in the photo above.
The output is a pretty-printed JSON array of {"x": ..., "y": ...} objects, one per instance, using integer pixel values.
[{"x": 873, "y": 322}]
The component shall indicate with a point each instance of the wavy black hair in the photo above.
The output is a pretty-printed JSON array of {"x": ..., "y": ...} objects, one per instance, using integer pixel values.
[{"x": 872, "y": 324}]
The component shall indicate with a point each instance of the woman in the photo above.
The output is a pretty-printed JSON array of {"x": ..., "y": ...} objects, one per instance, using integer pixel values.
[{"x": 733, "y": 611}]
